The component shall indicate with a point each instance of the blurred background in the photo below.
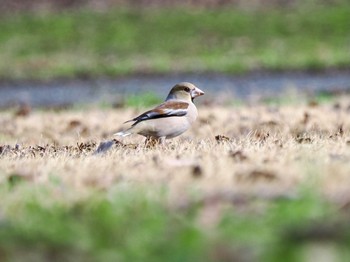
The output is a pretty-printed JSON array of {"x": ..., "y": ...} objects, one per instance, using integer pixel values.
[
  {"x": 63, "y": 52},
  {"x": 274, "y": 178}
]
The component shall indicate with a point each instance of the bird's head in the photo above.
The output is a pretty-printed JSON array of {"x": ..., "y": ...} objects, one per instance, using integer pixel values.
[{"x": 184, "y": 91}]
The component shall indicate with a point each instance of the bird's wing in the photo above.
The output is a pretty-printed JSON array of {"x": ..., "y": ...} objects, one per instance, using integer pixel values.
[{"x": 166, "y": 109}]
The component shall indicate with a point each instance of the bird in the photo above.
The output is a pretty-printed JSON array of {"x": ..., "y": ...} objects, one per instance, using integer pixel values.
[{"x": 169, "y": 119}]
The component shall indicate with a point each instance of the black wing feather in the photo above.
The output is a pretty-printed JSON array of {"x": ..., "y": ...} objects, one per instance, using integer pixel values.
[{"x": 167, "y": 109}]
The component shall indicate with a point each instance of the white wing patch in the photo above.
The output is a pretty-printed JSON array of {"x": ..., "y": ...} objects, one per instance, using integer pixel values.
[{"x": 167, "y": 109}]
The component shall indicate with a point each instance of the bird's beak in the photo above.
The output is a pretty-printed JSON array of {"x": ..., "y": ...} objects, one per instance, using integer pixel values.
[{"x": 196, "y": 92}]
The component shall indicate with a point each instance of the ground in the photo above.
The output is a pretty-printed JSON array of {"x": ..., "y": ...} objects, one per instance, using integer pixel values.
[
  {"x": 248, "y": 182},
  {"x": 251, "y": 181}
]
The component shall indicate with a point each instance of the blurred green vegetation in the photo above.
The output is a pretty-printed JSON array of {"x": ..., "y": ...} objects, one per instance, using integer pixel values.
[
  {"x": 84, "y": 43},
  {"x": 132, "y": 226},
  {"x": 142, "y": 100},
  {"x": 295, "y": 98}
]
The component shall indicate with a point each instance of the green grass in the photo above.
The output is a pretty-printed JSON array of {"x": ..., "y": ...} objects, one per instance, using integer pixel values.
[
  {"x": 142, "y": 100},
  {"x": 129, "y": 225},
  {"x": 118, "y": 42},
  {"x": 293, "y": 98}
]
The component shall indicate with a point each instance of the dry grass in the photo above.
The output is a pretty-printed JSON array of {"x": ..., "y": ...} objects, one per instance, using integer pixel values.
[
  {"x": 246, "y": 183},
  {"x": 252, "y": 151}
]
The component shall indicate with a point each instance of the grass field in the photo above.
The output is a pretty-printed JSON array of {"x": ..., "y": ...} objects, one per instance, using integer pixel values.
[
  {"x": 83, "y": 43},
  {"x": 246, "y": 183}
]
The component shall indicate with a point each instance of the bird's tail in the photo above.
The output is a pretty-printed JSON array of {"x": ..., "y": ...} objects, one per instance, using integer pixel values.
[{"x": 123, "y": 133}]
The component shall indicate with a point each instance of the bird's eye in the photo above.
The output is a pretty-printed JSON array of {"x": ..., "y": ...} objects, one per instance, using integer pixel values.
[{"x": 187, "y": 89}]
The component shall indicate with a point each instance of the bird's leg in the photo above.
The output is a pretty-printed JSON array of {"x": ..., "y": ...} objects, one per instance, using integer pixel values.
[{"x": 161, "y": 140}]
